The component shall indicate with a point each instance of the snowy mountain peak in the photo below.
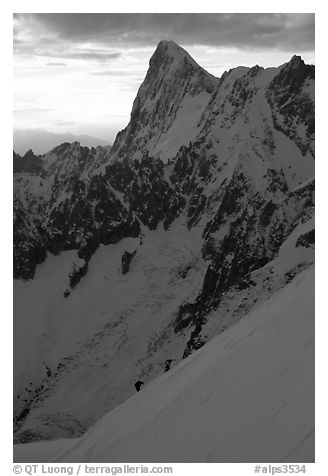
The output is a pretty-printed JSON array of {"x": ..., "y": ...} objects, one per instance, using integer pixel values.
[
  {"x": 174, "y": 81},
  {"x": 170, "y": 60},
  {"x": 169, "y": 50}
]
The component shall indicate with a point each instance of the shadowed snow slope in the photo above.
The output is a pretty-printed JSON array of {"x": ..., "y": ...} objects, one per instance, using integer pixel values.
[
  {"x": 247, "y": 395},
  {"x": 128, "y": 260}
]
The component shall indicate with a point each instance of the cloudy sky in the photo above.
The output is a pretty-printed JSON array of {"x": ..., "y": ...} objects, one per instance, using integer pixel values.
[{"x": 79, "y": 73}]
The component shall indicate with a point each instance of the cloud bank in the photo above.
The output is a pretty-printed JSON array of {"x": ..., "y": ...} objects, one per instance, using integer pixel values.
[{"x": 102, "y": 37}]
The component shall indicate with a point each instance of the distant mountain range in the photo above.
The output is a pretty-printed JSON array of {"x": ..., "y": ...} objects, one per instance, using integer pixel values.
[{"x": 42, "y": 141}]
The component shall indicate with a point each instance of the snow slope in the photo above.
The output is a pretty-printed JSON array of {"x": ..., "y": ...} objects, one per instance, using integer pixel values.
[
  {"x": 102, "y": 338},
  {"x": 247, "y": 395}
]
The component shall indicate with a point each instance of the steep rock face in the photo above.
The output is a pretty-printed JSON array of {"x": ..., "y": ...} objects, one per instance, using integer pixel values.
[
  {"x": 146, "y": 190},
  {"x": 168, "y": 105},
  {"x": 244, "y": 240},
  {"x": 29, "y": 233},
  {"x": 291, "y": 96},
  {"x": 90, "y": 216},
  {"x": 228, "y": 159},
  {"x": 28, "y": 253},
  {"x": 70, "y": 207}
]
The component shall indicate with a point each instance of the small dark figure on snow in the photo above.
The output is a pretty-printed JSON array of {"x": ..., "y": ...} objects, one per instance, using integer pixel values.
[
  {"x": 138, "y": 385},
  {"x": 167, "y": 366}
]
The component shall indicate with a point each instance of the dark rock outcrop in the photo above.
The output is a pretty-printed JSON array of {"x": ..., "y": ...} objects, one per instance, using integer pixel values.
[{"x": 126, "y": 261}]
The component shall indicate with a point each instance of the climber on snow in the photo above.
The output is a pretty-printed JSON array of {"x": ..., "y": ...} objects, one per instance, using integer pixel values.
[
  {"x": 167, "y": 365},
  {"x": 138, "y": 385}
]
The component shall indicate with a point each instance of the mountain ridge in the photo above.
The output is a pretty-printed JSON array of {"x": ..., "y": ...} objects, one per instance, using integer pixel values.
[
  {"x": 42, "y": 141},
  {"x": 208, "y": 191}
]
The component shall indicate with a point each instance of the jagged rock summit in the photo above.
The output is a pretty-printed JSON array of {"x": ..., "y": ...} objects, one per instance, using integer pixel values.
[
  {"x": 168, "y": 105},
  {"x": 169, "y": 50}
]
